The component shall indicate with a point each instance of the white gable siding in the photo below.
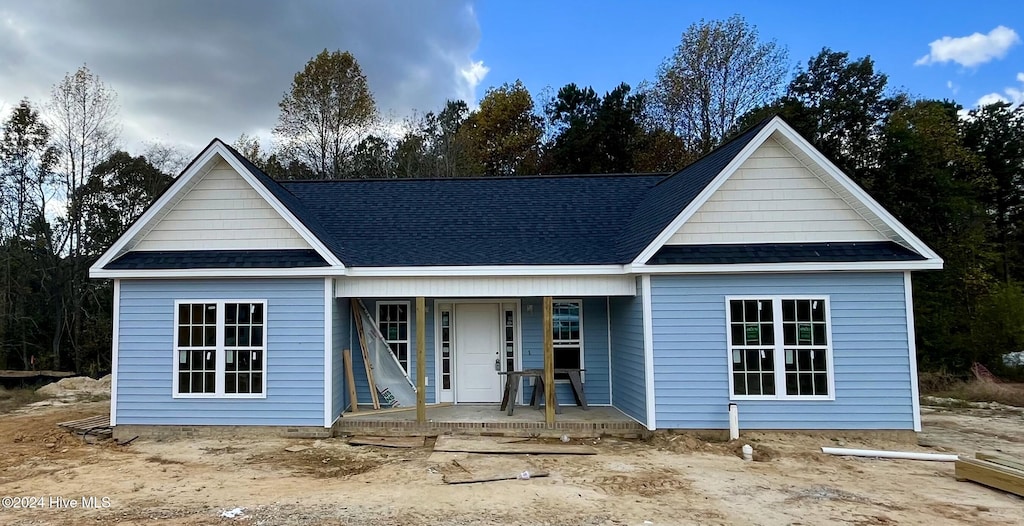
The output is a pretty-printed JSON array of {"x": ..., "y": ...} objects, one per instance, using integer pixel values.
[
  {"x": 774, "y": 198},
  {"x": 222, "y": 212}
]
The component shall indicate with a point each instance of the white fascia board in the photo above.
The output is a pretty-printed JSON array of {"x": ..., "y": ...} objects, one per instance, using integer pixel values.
[
  {"x": 858, "y": 193},
  {"x": 217, "y": 273},
  {"x": 487, "y": 270},
  {"x": 278, "y": 206},
  {"x": 706, "y": 194},
  {"x": 201, "y": 165},
  {"x": 733, "y": 268}
]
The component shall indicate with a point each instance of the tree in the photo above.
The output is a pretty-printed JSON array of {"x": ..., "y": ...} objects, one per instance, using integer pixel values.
[
  {"x": 325, "y": 111},
  {"x": 26, "y": 162},
  {"x": 83, "y": 112},
  {"x": 719, "y": 72},
  {"x": 838, "y": 105},
  {"x": 593, "y": 134},
  {"x": 996, "y": 133},
  {"x": 503, "y": 135}
]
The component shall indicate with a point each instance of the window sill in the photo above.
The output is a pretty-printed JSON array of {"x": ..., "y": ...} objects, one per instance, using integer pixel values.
[
  {"x": 783, "y": 398},
  {"x": 186, "y": 396}
]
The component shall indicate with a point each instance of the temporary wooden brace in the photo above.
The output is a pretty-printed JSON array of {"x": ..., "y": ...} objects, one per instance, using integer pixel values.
[
  {"x": 421, "y": 360},
  {"x": 1001, "y": 460},
  {"x": 356, "y": 308},
  {"x": 350, "y": 379},
  {"x": 991, "y": 474},
  {"x": 549, "y": 364}
]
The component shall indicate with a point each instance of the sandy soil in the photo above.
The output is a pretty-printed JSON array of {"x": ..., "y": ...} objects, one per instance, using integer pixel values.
[{"x": 670, "y": 479}]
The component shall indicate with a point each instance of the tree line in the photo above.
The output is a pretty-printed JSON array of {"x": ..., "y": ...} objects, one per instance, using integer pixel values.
[{"x": 953, "y": 176}]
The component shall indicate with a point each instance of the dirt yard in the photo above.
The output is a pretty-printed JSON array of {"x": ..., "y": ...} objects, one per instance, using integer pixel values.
[{"x": 670, "y": 479}]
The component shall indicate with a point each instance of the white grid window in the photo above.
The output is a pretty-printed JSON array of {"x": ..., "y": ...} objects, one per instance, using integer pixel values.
[
  {"x": 780, "y": 348},
  {"x": 566, "y": 331},
  {"x": 220, "y": 349},
  {"x": 393, "y": 323}
]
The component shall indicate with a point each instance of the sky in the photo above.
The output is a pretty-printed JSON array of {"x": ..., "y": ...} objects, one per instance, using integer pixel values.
[{"x": 187, "y": 71}]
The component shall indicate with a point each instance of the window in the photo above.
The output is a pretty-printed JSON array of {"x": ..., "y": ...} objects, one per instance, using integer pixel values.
[
  {"x": 393, "y": 323},
  {"x": 220, "y": 349},
  {"x": 780, "y": 348},
  {"x": 566, "y": 323}
]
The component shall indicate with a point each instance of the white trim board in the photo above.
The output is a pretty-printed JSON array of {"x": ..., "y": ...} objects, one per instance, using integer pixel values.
[
  {"x": 648, "y": 313},
  {"x": 203, "y": 163},
  {"x": 902, "y": 235},
  {"x": 915, "y": 394},
  {"x": 114, "y": 351},
  {"x": 328, "y": 351}
]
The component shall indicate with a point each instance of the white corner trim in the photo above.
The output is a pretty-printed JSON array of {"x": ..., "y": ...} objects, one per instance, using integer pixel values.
[
  {"x": 328, "y": 351},
  {"x": 908, "y": 298},
  {"x": 608, "y": 324},
  {"x": 113, "y": 352},
  {"x": 706, "y": 193},
  {"x": 645, "y": 285}
]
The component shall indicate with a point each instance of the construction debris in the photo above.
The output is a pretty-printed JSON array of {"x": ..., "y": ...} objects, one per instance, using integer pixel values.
[
  {"x": 524, "y": 475},
  {"x": 296, "y": 448},
  {"x": 94, "y": 426},
  {"x": 994, "y": 471},
  {"x": 399, "y": 442},
  {"x": 486, "y": 445}
]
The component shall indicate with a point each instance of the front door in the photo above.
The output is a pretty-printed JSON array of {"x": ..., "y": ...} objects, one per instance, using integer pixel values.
[{"x": 477, "y": 349}]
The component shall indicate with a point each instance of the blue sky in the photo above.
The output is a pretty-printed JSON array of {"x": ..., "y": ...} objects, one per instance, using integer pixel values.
[
  {"x": 186, "y": 71},
  {"x": 602, "y": 43}
]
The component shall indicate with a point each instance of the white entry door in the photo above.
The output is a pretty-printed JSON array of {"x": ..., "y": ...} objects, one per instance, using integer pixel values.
[{"x": 477, "y": 347}]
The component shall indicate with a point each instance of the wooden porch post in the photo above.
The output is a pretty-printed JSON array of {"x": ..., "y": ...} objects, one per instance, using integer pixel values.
[
  {"x": 549, "y": 364},
  {"x": 421, "y": 361}
]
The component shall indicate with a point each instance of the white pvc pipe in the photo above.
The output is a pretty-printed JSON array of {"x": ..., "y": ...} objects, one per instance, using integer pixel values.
[
  {"x": 906, "y": 455},
  {"x": 734, "y": 422}
]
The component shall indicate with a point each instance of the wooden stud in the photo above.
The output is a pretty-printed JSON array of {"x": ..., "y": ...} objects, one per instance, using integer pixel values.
[
  {"x": 350, "y": 379},
  {"x": 549, "y": 364},
  {"x": 357, "y": 307},
  {"x": 421, "y": 360},
  {"x": 991, "y": 475}
]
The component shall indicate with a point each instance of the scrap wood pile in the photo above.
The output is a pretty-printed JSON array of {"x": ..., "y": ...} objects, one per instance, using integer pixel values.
[{"x": 995, "y": 471}]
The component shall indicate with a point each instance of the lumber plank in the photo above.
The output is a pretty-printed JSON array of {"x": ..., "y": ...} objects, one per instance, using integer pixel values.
[
  {"x": 357, "y": 307},
  {"x": 476, "y": 445},
  {"x": 991, "y": 475},
  {"x": 1001, "y": 460},
  {"x": 489, "y": 478},
  {"x": 398, "y": 442},
  {"x": 350, "y": 379}
]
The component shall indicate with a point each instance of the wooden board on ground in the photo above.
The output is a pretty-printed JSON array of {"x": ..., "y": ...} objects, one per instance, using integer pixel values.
[
  {"x": 35, "y": 374},
  {"x": 95, "y": 425},
  {"x": 487, "y": 445},
  {"x": 1002, "y": 460},
  {"x": 404, "y": 442},
  {"x": 371, "y": 412},
  {"x": 991, "y": 474},
  {"x": 470, "y": 479}
]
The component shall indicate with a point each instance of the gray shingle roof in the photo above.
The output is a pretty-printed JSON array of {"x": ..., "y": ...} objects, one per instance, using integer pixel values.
[
  {"x": 182, "y": 259},
  {"x": 783, "y": 253}
]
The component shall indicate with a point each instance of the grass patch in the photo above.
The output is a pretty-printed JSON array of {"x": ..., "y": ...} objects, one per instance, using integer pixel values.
[
  {"x": 11, "y": 399},
  {"x": 973, "y": 390}
]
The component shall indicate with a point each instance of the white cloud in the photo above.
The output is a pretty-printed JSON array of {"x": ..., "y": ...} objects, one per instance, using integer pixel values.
[
  {"x": 971, "y": 50},
  {"x": 471, "y": 76},
  {"x": 1013, "y": 95},
  {"x": 952, "y": 87}
]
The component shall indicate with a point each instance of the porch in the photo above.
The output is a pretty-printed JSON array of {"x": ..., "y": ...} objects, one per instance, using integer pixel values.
[{"x": 488, "y": 419}]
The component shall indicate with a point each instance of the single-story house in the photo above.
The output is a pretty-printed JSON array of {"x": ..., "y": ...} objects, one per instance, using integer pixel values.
[{"x": 759, "y": 275}]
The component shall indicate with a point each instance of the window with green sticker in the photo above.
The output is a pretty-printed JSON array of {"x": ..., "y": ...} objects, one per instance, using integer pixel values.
[{"x": 779, "y": 347}]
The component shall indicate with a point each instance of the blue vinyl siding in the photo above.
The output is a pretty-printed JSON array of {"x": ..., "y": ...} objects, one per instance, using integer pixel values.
[
  {"x": 595, "y": 349},
  {"x": 340, "y": 315},
  {"x": 870, "y": 349},
  {"x": 629, "y": 391},
  {"x": 294, "y": 358},
  {"x": 359, "y": 370}
]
